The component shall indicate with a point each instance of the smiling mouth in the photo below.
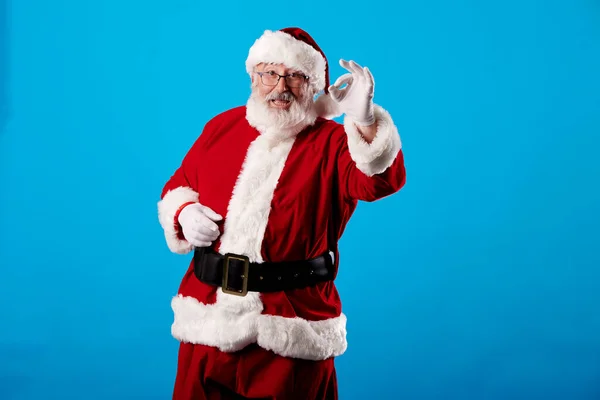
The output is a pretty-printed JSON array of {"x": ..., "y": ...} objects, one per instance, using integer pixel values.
[{"x": 280, "y": 103}]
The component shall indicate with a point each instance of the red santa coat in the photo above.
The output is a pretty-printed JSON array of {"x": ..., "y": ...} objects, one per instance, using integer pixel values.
[{"x": 282, "y": 199}]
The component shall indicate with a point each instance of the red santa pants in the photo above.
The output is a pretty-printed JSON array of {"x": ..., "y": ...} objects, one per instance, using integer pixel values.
[{"x": 206, "y": 373}]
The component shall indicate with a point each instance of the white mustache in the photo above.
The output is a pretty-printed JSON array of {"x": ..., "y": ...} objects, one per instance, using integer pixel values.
[{"x": 286, "y": 96}]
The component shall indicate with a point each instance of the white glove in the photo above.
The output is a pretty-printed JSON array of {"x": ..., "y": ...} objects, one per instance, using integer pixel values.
[
  {"x": 198, "y": 224},
  {"x": 356, "y": 99}
]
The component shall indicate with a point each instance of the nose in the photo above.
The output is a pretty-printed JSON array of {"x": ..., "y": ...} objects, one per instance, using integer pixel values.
[{"x": 282, "y": 85}]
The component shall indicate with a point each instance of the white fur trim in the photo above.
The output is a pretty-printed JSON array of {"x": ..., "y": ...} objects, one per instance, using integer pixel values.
[
  {"x": 282, "y": 48},
  {"x": 250, "y": 204},
  {"x": 249, "y": 208},
  {"x": 375, "y": 157},
  {"x": 214, "y": 325},
  {"x": 326, "y": 107},
  {"x": 217, "y": 326},
  {"x": 167, "y": 207}
]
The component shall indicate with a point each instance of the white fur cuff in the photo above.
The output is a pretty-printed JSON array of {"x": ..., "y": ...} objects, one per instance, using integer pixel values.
[
  {"x": 167, "y": 207},
  {"x": 375, "y": 157}
]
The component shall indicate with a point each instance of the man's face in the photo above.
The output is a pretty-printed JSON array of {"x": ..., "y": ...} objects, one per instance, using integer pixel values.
[
  {"x": 279, "y": 93},
  {"x": 278, "y": 106}
]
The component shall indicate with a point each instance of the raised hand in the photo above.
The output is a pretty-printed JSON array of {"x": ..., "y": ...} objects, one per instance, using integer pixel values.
[{"x": 356, "y": 99}]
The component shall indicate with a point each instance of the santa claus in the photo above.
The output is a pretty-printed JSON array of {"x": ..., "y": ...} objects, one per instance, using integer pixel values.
[{"x": 261, "y": 199}]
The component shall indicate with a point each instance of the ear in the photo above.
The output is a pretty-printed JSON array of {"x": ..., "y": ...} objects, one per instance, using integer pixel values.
[{"x": 326, "y": 107}]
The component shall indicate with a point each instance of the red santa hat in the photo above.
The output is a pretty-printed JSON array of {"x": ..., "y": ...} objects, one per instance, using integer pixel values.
[{"x": 295, "y": 48}]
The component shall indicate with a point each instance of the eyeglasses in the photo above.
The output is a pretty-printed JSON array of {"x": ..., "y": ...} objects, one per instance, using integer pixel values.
[{"x": 271, "y": 78}]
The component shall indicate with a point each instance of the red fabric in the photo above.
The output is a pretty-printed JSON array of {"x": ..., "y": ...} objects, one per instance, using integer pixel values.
[
  {"x": 176, "y": 220},
  {"x": 315, "y": 197},
  {"x": 205, "y": 373},
  {"x": 302, "y": 35}
]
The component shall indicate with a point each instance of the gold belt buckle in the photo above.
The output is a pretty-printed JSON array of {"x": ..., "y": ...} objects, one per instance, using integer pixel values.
[{"x": 244, "y": 277}]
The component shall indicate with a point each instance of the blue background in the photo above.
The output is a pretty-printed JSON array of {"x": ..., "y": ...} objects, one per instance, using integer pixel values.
[{"x": 489, "y": 270}]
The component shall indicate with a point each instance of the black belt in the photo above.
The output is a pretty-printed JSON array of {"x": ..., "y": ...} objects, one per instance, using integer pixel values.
[{"x": 236, "y": 275}]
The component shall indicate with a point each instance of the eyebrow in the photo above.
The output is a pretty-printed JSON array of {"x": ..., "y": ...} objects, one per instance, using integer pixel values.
[{"x": 269, "y": 67}]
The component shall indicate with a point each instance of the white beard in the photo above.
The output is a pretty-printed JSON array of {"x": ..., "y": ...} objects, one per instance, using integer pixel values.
[{"x": 280, "y": 124}]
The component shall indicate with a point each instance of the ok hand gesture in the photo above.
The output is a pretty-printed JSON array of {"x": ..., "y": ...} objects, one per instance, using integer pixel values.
[{"x": 356, "y": 99}]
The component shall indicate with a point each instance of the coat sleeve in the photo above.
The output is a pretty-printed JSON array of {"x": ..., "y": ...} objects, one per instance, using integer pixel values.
[
  {"x": 180, "y": 190},
  {"x": 371, "y": 171}
]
